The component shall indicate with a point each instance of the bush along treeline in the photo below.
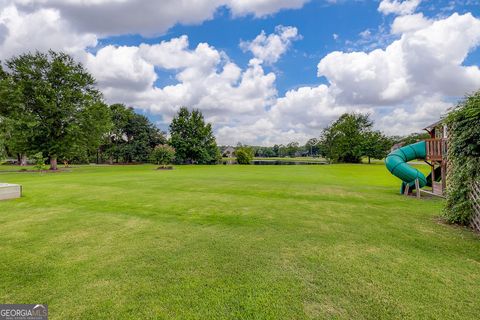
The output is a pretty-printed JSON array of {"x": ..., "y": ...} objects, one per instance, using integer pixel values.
[
  {"x": 51, "y": 109},
  {"x": 463, "y": 158},
  {"x": 244, "y": 154}
]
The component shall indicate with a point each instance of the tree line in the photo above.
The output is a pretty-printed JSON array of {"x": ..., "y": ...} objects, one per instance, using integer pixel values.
[
  {"x": 348, "y": 139},
  {"x": 51, "y": 108}
]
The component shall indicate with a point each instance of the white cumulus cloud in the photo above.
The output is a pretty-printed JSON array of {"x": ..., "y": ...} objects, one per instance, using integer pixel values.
[
  {"x": 424, "y": 61},
  {"x": 405, "y": 85},
  {"x": 270, "y": 48},
  {"x": 263, "y": 7},
  {"x": 41, "y": 30},
  {"x": 114, "y": 17},
  {"x": 205, "y": 78},
  {"x": 409, "y": 23},
  {"x": 399, "y": 7}
]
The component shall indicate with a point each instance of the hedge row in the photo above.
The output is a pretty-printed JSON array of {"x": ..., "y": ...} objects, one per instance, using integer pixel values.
[{"x": 464, "y": 158}]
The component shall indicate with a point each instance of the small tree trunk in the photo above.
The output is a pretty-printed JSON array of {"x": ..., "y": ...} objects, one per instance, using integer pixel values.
[
  {"x": 368, "y": 160},
  {"x": 53, "y": 163},
  {"x": 23, "y": 160}
]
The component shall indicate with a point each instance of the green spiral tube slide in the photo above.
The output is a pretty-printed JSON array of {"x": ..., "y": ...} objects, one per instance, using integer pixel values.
[{"x": 396, "y": 163}]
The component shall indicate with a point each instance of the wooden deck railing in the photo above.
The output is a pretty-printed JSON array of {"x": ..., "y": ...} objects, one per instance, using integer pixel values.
[{"x": 436, "y": 149}]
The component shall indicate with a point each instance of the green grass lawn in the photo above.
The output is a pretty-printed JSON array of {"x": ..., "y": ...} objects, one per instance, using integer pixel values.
[{"x": 233, "y": 242}]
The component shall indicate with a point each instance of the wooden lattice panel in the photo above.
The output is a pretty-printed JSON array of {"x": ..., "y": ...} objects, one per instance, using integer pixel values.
[{"x": 475, "y": 197}]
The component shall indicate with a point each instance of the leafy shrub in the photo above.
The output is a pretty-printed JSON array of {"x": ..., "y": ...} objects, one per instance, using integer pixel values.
[
  {"x": 163, "y": 154},
  {"x": 464, "y": 158},
  {"x": 39, "y": 161},
  {"x": 244, "y": 155}
]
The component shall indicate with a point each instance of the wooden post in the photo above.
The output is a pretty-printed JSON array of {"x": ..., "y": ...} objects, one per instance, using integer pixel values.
[
  {"x": 433, "y": 177},
  {"x": 417, "y": 188},
  {"x": 444, "y": 176},
  {"x": 407, "y": 189}
]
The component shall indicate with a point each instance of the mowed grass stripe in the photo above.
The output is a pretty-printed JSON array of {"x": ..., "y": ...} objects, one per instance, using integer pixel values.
[{"x": 233, "y": 242}]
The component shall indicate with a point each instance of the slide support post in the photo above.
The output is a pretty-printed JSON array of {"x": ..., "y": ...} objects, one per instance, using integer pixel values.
[{"x": 417, "y": 188}]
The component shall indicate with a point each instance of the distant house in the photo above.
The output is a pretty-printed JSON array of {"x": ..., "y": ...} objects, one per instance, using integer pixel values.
[
  {"x": 10, "y": 161},
  {"x": 228, "y": 152}
]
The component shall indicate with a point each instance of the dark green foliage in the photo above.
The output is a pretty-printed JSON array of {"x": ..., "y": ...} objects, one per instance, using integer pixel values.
[
  {"x": 411, "y": 138},
  {"x": 53, "y": 106},
  {"x": 292, "y": 149},
  {"x": 276, "y": 150},
  {"x": 351, "y": 137},
  {"x": 162, "y": 154},
  {"x": 375, "y": 145},
  {"x": 244, "y": 155},
  {"x": 312, "y": 147},
  {"x": 132, "y": 137},
  {"x": 15, "y": 127},
  {"x": 464, "y": 158},
  {"x": 3, "y": 143},
  {"x": 266, "y": 152},
  {"x": 193, "y": 139}
]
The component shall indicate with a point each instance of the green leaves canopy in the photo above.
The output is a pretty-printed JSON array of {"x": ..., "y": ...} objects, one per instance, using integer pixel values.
[
  {"x": 351, "y": 137},
  {"x": 132, "y": 136},
  {"x": 244, "y": 154},
  {"x": 192, "y": 138},
  {"x": 56, "y": 108}
]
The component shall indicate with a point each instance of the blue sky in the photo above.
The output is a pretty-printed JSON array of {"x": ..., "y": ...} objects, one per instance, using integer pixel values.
[
  {"x": 405, "y": 62},
  {"x": 317, "y": 22}
]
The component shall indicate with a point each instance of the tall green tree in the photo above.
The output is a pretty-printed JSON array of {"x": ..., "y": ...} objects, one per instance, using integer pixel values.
[
  {"x": 132, "y": 136},
  {"x": 115, "y": 142},
  {"x": 343, "y": 140},
  {"x": 142, "y": 137},
  {"x": 192, "y": 138},
  {"x": 3, "y": 145},
  {"x": 375, "y": 145},
  {"x": 276, "y": 150},
  {"x": 312, "y": 146},
  {"x": 15, "y": 127},
  {"x": 292, "y": 149},
  {"x": 59, "y": 102},
  {"x": 3, "y": 150}
]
